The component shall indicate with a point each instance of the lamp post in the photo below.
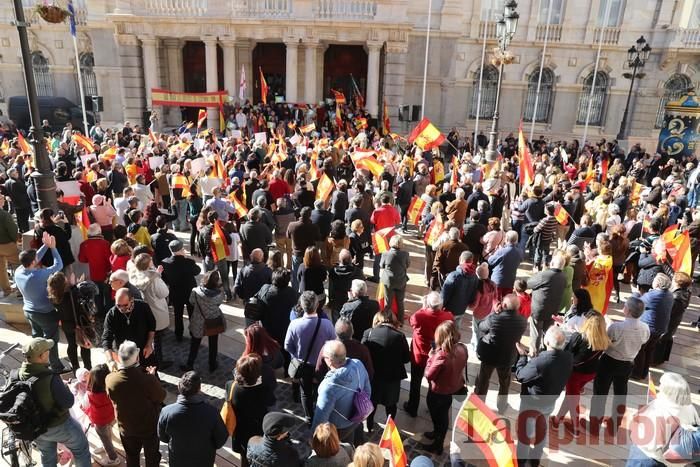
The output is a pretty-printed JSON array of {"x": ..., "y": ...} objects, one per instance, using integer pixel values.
[
  {"x": 44, "y": 180},
  {"x": 505, "y": 30},
  {"x": 636, "y": 58}
]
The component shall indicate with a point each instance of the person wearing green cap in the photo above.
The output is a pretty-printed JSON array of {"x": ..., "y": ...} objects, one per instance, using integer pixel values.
[{"x": 55, "y": 400}]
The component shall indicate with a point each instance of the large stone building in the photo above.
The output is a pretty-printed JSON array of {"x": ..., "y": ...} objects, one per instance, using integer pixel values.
[{"x": 307, "y": 47}]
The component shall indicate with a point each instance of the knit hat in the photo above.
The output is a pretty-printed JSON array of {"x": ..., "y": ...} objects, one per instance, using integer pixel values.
[
  {"x": 36, "y": 347},
  {"x": 175, "y": 246},
  {"x": 276, "y": 423}
]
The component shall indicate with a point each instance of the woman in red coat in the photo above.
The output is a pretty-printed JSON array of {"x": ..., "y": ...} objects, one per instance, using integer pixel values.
[
  {"x": 121, "y": 254},
  {"x": 99, "y": 409},
  {"x": 445, "y": 374},
  {"x": 95, "y": 251}
]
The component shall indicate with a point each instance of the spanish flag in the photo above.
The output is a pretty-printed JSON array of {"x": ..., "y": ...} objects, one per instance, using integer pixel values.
[
  {"x": 218, "y": 244},
  {"x": 220, "y": 169},
  {"x": 180, "y": 182},
  {"x": 82, "y": 219},
  {"x": 604, "y": 171},
  {"x": 489, "y": 432},
  {"x": 561, "y": 214},
  {"x": 526, "y": 170},
  {"x": 5, "y": 146},
  {"x": 110, "y": 154},
  {"x": 325, "y": 188},
  {"x": 590, "y": 176},
  {"x": 189, "y": 125},
  {"x": 600, "y": 282},
  {"x": 636, "y": 191},
  {"x": 415, "y": 209},
  {"x": 381, "y": 300},
  {"x": 370, "y": 164},
  {"x": 434, "y": 230},
  {"x": 338, "y": 119},
  {"x": 677, "y": 245},
  {"x": 240, "y": 208},
  {"x": 313, "y": 171},
  {"x": 437, "y": 173},
  {"x": 426, "y": 136},
  {"x": 182, "y": 147},
  {"x": 651, "y": 390},
  {"x": 263, "y": 87},
  {"x": 391, "y": 440},
  {"x": 152, "y": 137},
  {"x": 361, "y": 123},
  {"x": 84, "y": 143},
  {"x": 201, "y": 118},
  {"x": 339, "y": 97},
  {"x": 308, "y": 128},
  {"x": 454, "y": 173},
  {"x": 385, "y": 118},
  {"x": 380, "y": 239},
  {"x": 23, "y": 145}
]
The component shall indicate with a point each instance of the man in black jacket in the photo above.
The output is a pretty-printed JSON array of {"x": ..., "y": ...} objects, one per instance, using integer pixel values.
[
  {"x": 255, "y": 234},
  {"x": 16, "y": 189},
  {"x": 542, "y": 379},
  {"x": 500, "y": 332},
  {"x": 274, "y": 447},
  {"x": 547, "y": 291},
  {"x": 180, "y": 273},
  {"x": 360, "y": 309},
  {"x": 252, "y": 277},
  {"x": 161, "y": 240},
  {"x": 340, "y": 279}
]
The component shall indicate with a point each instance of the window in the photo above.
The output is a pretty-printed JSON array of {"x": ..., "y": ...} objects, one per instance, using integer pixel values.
[
  {"x": 87, "y": 65},
  {"x": 544, "y": 102},
  {"x": 491, "y": 9},
  {"x": 617, "y": 9},
  {"x": 694, "y": 20},
  {"x": 557, "y": 8},
  {"x": 674, "y": 88},
  {"x": 596, "y": 100},
  {"x": 42, "y": 75},
  {"x": 487, "y": 104}
]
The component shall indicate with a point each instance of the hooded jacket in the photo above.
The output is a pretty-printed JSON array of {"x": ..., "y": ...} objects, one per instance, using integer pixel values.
[
  {"x": 459, "y": 289},
  {"x": 206, "y": 304},
  {"x": 336, "y": 394},
  {"x": 155, "y": 292}
]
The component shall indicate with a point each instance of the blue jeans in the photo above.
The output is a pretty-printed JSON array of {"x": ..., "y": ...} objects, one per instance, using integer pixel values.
[
  {"x": 542, "y": 256},
  {"x": 46, "y": 325},
  {"x": 637, "y": 458},
  {"x": 71, "y": 435},
  {"x": 296, "y": 262}
]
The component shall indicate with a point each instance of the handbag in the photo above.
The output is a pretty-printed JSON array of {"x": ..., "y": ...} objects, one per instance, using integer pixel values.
[
  {"x": 254, "y": 309},
  {"x": 228, "y": 413},
  {"x": 362, "y": 405},
  {"x": 85, "y": 334},
  {"x": 296, "y": 366},
  {"x": 212, "y": 326}
]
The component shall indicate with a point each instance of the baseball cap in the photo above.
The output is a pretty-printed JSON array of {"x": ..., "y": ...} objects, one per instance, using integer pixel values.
[{"x": 36, "y": 347}]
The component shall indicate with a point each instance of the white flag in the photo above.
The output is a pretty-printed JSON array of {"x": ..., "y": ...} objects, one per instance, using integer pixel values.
[{"x": 243, "y": 86}]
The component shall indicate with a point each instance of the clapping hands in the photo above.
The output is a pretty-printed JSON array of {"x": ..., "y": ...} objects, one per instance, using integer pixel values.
[{"x": 48, "y": 240}]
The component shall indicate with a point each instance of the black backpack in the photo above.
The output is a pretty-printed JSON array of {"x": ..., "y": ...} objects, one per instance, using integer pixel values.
[{"x": 20, "y": 409}]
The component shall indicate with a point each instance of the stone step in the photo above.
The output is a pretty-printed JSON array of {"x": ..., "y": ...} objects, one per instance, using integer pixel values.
[{"x": 11, "y": 310}]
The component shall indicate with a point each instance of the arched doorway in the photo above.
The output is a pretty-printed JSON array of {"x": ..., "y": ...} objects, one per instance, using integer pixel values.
[
  {"x": 194, "y": 69},
  {"x": 272, "y": 59},
  {"x": 341, "y": 63}
]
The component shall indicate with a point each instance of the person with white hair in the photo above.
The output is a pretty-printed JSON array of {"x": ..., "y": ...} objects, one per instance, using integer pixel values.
[
  {"x": 672, "y": 408},
  {"x": 359, "y": 309},
  {"x": 542, "y": 378},
  {"x": 424, "y": 323},
  {"x": 137, "y": 396}
]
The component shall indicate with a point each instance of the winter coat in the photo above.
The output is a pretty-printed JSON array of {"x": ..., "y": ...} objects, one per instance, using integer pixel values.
[
  {"x": 459, "y": 289},
  {"x": 193, "y": 430},
  {"x": 251, "y": 405},
  {"x": 394, "y": 266},
  {"x": 98, "y": 407},
  {"x": 360, "y": 311},
  {"x": 155, "y": 292},
  {"x": 264, "y": 451},
  {"x": 337, "y": 392},
  {"x": 389, "y": 350},
  {"x": 277, "y": 302},
  {"x": 486, "y": 296},
  {"x": 160, "y": 242},
  {"x": 657, "y": 310},
  {"x": 138, "y": 397},
  {"x": 95, "y": 252},
  {"x": 499, "y": 332},
  {"x": 504, "y": 264},
  {"x": 250, "y": 279},
  {"x": 547, "y": 290},
  {"x": 207, "y": 305},
  {"x": 180, "y": 273},
  {"x": 340, "y": 279},
  {"x": 102, "y": 211},
  {"x": 445, "y": 371}
]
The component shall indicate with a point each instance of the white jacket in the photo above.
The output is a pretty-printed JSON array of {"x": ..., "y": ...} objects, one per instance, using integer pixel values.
[{"x": 155, "y": 292}]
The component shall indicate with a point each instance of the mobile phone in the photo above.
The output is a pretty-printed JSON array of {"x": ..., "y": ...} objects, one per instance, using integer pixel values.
[{"x": 61, "y": 214}]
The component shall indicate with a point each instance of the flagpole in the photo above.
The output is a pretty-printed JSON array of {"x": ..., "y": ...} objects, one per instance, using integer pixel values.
[
  {"x": 77, "y": 65},
  {"x": 539, "y": 78},
  {"x": 481, "y": 78},
  {"x": 595, "y": 75},
  {"x": 425, "y": 64}
]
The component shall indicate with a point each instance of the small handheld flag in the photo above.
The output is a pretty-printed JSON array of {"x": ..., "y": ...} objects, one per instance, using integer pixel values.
[
  {"x": 415, "y": 209},
  {"x": 263, "y": 87},
  {"x": 391, "y": 440},
  {"x": 426, "y": 136},
  {"x": 201, "y": 118},
  {"x": 561, "y": 214},
  {"x": 651, "y": 391}
]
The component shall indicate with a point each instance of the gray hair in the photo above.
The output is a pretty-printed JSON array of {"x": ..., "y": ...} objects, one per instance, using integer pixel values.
[
  {"x": 555, "y": 338},
  {"x": 128, "y": 354},
  {"x": 344, "y": 328},
  {"x": 459, "y": 193},
  {"x": 466, "y": 257},
  {"x": 358, "y": 287},
  {"x": 318, "y": 204},
  {"x": 434, "y": 301},
  {"x": 396, "y": 242},
  {"x": 511, "y": 302},
  {"x": 482, "y": 204},
  {"x": 635, "y": 306},
  {"x": 674, "y": 388},
  {"x": 558, "y": 262},
  {"x": 335, "y": 351},
  {"x": 661, "y": 282},
  {"x": 261, "y": 202},
  {"x": 512, "y": 237},
  {"x": 454, "y": 233},
  {"x": 308, "y": 302}
]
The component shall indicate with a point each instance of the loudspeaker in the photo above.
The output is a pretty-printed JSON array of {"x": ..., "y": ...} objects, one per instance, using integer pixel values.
[
  {"x": 415, "y": 113},
  {"x": 404, "y": 112}
]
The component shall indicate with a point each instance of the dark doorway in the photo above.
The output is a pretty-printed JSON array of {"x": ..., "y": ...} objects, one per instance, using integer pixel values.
[
  {"x": 272, "y": 59},
  {"x": 194, "y": 67},
  {"x": 342, "y": 63}
]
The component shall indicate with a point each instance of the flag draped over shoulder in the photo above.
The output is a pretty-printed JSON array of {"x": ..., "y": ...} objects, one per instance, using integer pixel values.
[
  {"x": 600, "y": 282},
  {"x": 240, "y": 208},
  {"x": 391, "y": 440},
  {"x": 180, "y": 182},
  {"x": 380, "y": 240},
  {"x": 415, "y": 209},
  {"x": 434, "y": 230},
  {"x": 526, "y": 169},
  {"x": 489, "y": 432},
  {"x": 218, "y": 243},
  {"x": 426, "y": 136}
]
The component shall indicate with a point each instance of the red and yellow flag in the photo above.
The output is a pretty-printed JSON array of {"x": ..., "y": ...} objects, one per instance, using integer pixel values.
[
  {"x": 240, "y": 208},
  {"x": 84, "y": 143},
  {"x": 308, "y": 128},
  {"x": 263, "y": 87},
  {"x": 434, "y": 230},
  {"x": 415, "y": 209},
  {"x": 361, "y": 123},
  {"x": 561, "y": 214},
  {"x": 604, "y": 171},
  {"x": 454, "y": 173},
  {"x": 110, "y": 154},
  {"x": 313, "y": 171},
  {"x": 437, "y": 172},
  {"x": 651, "y": 390},
  {"x": 380, "y": 239},
  {"x": 677, "y": 245},
  {"x": 201, "y": 118},
  {"x": 339, "y": 97},
  {"x": 218, "y": 243},
  {"x": 23, "y": 145},
  {"x": 338, "y": 118},
  {"x": 526, "y": 170},
  {"x": 82, "y": 220},
  {"x": 590, "y": 176},
  {"x": 325, "y": 188},
  {"x": 426, "y": 136},
  {"x": 5, "y": 146},
  {"x": 489, "y": 432},
  {"x": 180, "y": 182},
  {"x": 370, "y": 164},
  {"x": 600, "y": 282},
  {"x": 391, "y": 440},
  {"x": 385, "y": 119}
]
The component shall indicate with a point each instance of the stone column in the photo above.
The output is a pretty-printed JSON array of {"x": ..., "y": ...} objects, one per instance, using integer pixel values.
[
  {"x": 176, "y": 81},
  {"x": 310, "y": 72},
  {"x": 212, "y": 78},
  {"x": 394, "y": 82},
  {"x": 374, "y": 48},
  {"x": 292, "y": 71},
  {"x": 130, "y": 60},
  {"x": 230, "y": 67},
  {"x": 151, "y": 74}
]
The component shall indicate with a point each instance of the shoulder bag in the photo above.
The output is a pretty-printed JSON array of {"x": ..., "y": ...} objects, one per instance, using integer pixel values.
[
  {"x": 85, "y": 334},
  {"x": 254, "y": 309},
  {"x": 212, "y": 326},
  {"x": 296, "y": 366},
  {"x": 228, "y": 412}
]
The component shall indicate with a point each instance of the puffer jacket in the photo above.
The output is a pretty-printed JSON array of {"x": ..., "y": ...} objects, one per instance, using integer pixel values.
[
  {"x": 207, "y": 303},
  {"x": 98, "y": 407},
  {"x": 155, "y": 292},
  {"x": 337, "y": 392}
]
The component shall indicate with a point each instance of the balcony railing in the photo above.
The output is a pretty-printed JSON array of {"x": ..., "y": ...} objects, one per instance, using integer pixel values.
[
  {"x": 490, "y": 29},
  {"x": 346, "y": 9},
  {"x": 79, "y": 5},
  {"x": 610, "y": 35},
  {"x": 262, "y": 8},
  {"x": 690, "y": 38},
  {"x": 554, "y": 34},
  {"x": 176, "y": 7}
]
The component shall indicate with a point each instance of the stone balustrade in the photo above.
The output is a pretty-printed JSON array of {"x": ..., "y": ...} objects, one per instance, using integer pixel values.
[
  {"x": 346, "y": 9},
  {"x": 176, "y": 7},
  {"x": 610, "y": 35},
  {"x": 554, "y": 34}
]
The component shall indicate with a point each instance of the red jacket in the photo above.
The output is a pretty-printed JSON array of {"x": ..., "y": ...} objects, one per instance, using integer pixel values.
[
  {"x": 424, "y": 323},
  {"x": 119, "y": 262},
  {"x": 99, "y": 408},
  {"x": 445, "y": 372},
  {"x": 95, "y": 251},
  {"x": 385, "y": 216}
]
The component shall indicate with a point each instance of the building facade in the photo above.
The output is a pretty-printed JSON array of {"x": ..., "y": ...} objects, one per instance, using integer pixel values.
[{"x": 308, "y": 47}]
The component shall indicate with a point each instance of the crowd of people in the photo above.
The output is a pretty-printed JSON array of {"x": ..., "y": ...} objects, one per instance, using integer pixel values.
[{"x": 159, "y": 223}]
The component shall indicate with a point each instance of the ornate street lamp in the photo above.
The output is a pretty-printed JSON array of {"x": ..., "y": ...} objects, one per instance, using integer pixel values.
[
  {"x": 505, "y": 30},
  {"x": 636, "y": 58}
]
